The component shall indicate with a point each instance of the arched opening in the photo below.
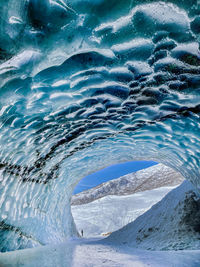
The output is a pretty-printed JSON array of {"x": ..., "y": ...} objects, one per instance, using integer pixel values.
[{"x": 109, "y": 199}]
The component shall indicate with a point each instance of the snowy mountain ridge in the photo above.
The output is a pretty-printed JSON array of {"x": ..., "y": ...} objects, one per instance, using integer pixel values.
[{"x": 150, "y": 178}]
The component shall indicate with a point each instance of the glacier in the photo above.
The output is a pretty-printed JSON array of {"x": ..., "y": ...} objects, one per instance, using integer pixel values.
[
  {"x": 173, "y": 224},
  {"x": 83, "y": 85}
]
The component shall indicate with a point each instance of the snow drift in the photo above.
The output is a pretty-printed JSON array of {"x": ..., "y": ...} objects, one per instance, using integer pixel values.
[{"x": 173, "y": 223}]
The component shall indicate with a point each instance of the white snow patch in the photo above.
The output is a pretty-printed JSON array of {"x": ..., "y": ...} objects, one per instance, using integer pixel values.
[{"x": 171, "y": 224}]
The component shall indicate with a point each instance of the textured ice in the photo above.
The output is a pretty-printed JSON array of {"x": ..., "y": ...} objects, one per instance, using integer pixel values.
[{"x": 75, "y": 98}]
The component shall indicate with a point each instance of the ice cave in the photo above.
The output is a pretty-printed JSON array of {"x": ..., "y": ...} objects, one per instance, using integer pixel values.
[{"x": 85, "y": 84}]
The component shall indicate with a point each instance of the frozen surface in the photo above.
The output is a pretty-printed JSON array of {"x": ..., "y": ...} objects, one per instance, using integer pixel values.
[
  {"x": 87, "y": 253},
  {"x": 84, "y": 85}
]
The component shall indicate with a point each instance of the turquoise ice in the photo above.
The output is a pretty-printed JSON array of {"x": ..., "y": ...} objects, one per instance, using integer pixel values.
[{"x": 83, "y": 85}]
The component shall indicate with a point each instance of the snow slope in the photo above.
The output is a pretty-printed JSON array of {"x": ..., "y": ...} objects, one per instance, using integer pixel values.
[
  {"x": 146, "y": 179},
  {"x": 171, "y": 224},
  {"x": 111, "y": 213}
]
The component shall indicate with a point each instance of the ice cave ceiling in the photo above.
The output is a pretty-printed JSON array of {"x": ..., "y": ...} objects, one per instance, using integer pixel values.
[{"x": 84, "y": 84}]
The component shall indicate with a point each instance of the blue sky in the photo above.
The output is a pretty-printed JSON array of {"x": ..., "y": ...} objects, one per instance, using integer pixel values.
[{"x": 110, "y": 173}]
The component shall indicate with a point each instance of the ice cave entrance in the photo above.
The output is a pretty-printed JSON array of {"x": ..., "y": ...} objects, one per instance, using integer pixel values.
[{"x": 109, "y": 199}]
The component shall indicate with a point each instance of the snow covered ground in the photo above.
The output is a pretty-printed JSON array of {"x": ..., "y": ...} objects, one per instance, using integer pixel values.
[
  {"x": 90, "y": 253},
  {"x": 111, "y": 213}
]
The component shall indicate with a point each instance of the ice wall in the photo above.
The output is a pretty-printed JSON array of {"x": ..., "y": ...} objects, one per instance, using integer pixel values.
[{"x": 85, "y": 84}]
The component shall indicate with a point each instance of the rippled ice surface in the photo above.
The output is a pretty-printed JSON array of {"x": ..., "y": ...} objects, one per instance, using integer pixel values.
[{"x": 85, "y": 84}]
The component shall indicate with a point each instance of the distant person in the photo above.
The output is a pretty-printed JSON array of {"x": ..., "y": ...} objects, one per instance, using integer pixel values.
[{"x": 82, "y": 232}]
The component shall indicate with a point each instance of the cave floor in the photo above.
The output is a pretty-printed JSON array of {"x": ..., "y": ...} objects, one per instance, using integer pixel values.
[{"x": 90, "y": 252}]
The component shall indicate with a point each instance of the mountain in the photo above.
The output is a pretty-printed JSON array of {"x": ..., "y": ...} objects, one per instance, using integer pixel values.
[{"x": 150, "y": 178}]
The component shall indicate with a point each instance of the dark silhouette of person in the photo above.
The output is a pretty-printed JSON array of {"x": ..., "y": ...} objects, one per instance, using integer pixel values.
[{"x": 82, "y": 232}]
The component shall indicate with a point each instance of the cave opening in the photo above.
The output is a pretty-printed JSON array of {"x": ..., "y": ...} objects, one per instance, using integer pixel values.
[{"x": 109, "y": 199}]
